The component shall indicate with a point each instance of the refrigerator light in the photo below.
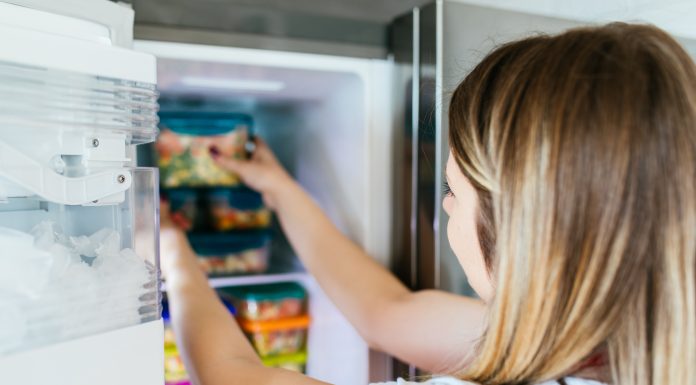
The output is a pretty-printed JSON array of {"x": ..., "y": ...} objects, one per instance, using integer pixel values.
[{"x": 234, "y": 84}]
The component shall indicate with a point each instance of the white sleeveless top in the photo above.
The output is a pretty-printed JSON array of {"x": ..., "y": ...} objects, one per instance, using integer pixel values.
[{"x": 454, "y": 381}]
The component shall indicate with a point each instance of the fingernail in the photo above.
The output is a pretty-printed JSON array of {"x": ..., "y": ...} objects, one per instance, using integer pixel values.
[{"x": 214, "y": 151}]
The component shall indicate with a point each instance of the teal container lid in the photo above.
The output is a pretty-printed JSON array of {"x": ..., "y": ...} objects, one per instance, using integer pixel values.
[
  {"x": 216, "y": 244},
  {"x": 202, "y": 123},
  {"x": 267, "y": 292}
]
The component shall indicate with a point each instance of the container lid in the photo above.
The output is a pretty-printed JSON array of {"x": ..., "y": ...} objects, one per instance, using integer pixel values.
[
  {"x": 295, "y": 358},
  {"x": 301, "y": 322},
  {"x": 242, "y": 198},
  {"x": 214, "y": 244},
  {"x": 203, "y": 123},
  {"x": 267, "y": 292}
]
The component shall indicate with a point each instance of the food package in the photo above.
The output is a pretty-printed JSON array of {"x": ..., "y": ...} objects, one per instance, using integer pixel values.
[
  {"x": 183, "y": 147},
  {"x": 296, "y": 362},
  {"x": 283, "y": 336},
  {"x": 269, "y": 302},
  {"x": 217, "y": 209},
  {"x": 237, "y": 209},
  {"x": 232, "y": 253}
]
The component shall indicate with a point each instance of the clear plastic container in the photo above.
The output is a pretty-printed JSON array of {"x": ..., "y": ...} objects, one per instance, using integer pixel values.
[
  {"x": 237, "y": 209},
  {"x": 184, "y": 208},
  {"x": 236, "y": 253},
  {"x": 283, "y": 336},
  {"x": 183, "y": 147},
  {"x": 296, "y": 362},
  {"x": 217, "y": 209},
  {"x": 269, "y": 302},
  {"x": 69, "y": 271}
]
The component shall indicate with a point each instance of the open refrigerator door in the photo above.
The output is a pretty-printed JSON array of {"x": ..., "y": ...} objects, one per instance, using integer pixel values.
[{"x": 79, "y": 274}]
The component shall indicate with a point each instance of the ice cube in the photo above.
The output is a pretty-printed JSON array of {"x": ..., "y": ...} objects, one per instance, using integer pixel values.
[
  {"x": 13, "y": 325},
  {"x": 24, "y": 269},
  {"x": 109, "y": 246}
]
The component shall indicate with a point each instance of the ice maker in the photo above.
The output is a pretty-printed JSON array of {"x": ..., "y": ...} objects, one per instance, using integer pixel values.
[{"x": 79, "y": 274}]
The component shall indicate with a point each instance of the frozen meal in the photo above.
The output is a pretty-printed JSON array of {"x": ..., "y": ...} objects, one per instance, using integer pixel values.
[
  {"x": 244, "y": 252},
  {"x": 183, "y": 206},
  {"x": 217, "y": 209},
  {"x": 183, "y": 147},
  {"x": 296, "y": 362},
  {"x": 235, "y": 209},
  {"x": 269, "y": 302},
  {"x": 282, "y": 336}
]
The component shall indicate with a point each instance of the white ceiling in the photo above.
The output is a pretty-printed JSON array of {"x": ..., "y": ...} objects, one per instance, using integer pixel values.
[{"x": 676, "y": 16}]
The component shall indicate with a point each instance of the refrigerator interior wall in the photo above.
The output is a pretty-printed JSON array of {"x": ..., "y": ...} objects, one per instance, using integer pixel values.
[{"x": 327, "y": 122}]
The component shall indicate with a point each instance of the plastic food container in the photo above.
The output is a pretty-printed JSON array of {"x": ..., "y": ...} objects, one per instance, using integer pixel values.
[
  {"x": 183, "y": 147},
  {"x": 217, "y": 209},
  {"x": 269, "y": 302},
  {"x": 183, "y": 205},
  {"x": 283, "y": 336},
  {"x": 244, "y": 252},
  {"x": 296, "y": 362},
  {"x": 174, "y": 370},
  {"x": 235, "y": 209}
]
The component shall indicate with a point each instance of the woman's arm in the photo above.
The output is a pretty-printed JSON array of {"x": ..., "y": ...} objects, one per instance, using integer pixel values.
[
  {"x": 429, "y": 329},
  {"x": 212, "y": 345}
]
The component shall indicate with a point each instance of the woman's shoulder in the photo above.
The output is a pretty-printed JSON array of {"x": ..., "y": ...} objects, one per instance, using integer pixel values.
[{"x": 454, "y": 381}]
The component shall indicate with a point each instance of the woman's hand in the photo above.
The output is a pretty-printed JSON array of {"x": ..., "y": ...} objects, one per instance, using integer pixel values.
[{"x": 262, "y": 172}]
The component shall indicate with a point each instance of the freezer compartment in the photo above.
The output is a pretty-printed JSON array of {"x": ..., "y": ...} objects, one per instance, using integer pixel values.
[{"x": 69, "y": 271}]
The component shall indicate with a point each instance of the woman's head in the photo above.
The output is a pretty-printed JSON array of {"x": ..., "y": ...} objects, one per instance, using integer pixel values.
[{"x": 581, "y": 149}]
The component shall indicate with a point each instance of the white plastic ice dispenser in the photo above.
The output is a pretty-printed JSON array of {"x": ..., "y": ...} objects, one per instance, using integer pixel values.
[{"x": 79, "y": 274}]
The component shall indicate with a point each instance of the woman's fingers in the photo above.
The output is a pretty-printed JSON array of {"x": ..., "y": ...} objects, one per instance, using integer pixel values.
[{"x": 236, "y": 166}]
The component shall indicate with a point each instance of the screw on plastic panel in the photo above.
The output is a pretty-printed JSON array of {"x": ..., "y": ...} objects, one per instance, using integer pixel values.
[
  {"x": 95, "y": 142},
  {"x": 121, "y": 179}
]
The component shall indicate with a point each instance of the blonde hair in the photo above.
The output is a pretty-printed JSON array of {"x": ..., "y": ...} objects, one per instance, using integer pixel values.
[{"x": 582, "y": 147}]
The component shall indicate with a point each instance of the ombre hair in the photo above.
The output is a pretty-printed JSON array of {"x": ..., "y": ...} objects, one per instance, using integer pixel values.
[{"x": 582, "y": 147}]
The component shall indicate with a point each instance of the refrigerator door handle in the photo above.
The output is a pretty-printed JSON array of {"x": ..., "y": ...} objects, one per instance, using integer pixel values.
[{"x": 48, "y": 184}]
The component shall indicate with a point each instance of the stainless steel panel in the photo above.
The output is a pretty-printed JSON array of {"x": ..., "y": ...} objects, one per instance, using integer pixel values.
[
  {"x": 403, "y": 39},
  {"x": 433, "y": 48},
  {"x": 466, "y": 34}
]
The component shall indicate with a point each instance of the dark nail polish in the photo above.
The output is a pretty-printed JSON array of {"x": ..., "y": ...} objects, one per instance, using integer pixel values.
[{"x": 214, "y": 151}]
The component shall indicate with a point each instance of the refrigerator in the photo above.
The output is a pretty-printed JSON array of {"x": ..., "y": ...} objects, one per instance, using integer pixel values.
[{"x": 366, "y": 137}]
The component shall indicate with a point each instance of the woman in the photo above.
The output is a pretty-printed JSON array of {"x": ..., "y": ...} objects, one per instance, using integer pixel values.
[{"x": 572, "y": 209}]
